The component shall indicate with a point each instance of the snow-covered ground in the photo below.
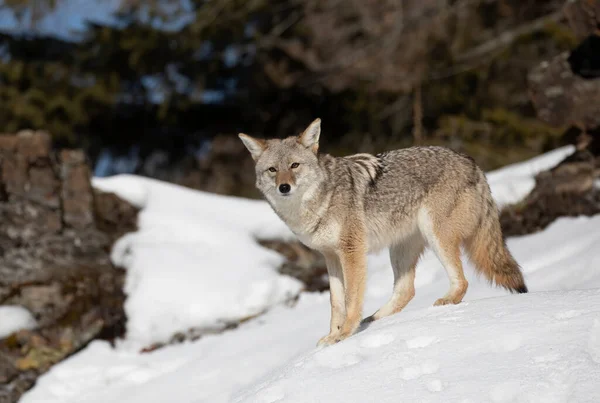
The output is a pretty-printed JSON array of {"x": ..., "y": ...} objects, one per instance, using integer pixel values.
[
  {"x": 14, "y": 318},
  {"x": 543, "y": 347},
  {"x": 194, "y": 263}
]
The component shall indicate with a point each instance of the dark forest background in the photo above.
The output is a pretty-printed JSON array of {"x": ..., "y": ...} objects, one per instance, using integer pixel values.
[{"x": 163, "y": 88}]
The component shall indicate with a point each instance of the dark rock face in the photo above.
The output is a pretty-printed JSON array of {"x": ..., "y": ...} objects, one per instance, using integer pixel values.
[
  {"x": 562, "y": 97},
  {"x": 583, "y": 17},
  {"x": 566, "y": 190},
  {"x": 55, "y": 238},
  {"x": 566, "y": 93},
  {"x": 566, "y": 90}
]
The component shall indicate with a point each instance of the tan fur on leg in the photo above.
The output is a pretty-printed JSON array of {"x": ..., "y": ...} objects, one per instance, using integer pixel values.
[
  {"x": 445, "y": 243},
  {"x": 338, "y": 304},
  {"x": 404, "y": 258},
  {"x": 354, "y": 266},
  {"x": 448, "y": 252}
]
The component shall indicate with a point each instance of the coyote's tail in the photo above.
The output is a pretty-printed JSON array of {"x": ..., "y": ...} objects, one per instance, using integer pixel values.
[{"x": 487, "y": 250}]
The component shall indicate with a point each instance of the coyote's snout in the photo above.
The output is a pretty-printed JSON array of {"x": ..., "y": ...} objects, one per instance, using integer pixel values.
[{"x": 404, "y": 200}]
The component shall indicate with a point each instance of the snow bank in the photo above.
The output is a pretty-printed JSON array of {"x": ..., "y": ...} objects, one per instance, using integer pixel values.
[
  {"x": 216, "y": 368},
  {"x": 195, "y": 262},
  {"x": 14, "y": 318},
  {"x": 542, "y": 347}
]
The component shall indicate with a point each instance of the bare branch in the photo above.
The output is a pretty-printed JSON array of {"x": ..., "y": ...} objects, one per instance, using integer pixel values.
[{"x": 507, "y": 38}]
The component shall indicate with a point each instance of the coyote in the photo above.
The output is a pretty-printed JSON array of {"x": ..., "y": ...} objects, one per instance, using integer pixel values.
[{"x": 407, "y": 199}]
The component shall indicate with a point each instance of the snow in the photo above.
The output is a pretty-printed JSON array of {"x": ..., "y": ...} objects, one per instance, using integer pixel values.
[
  {"x": 14, "y": 318},
  {"x": 194, "y": 263},
  {"x": 189, "y": 259},
  {"x": 493, "y": 350}
]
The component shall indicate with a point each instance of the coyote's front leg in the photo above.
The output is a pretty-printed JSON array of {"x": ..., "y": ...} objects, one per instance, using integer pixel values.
[
  {"x": 336, "y": 291},
  {"x": 353, "y": 260}
]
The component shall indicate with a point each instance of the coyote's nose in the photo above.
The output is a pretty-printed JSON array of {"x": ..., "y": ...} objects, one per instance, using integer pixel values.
[{"x": 284, "y": 188}]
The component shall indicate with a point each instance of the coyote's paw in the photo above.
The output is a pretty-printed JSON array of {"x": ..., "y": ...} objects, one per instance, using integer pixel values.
[
  {"x": 328, "y": 340},
  {"x": 445, "y": 301},
  {"x": 335, "y": 337}
]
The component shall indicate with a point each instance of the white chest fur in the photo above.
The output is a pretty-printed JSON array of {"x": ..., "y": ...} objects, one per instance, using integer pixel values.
[{"x": 308, "y": 220}]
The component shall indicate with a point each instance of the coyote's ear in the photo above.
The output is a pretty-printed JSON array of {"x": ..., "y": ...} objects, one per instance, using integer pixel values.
[
  {"x": 255, "y": 146},
  {"x": 310, "y": 137}
]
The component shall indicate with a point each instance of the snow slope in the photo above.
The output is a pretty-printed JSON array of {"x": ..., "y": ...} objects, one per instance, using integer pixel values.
[
  {"x": 542, "y": 347},
  {"x": 476, "y": 345},
  {"x": 188, "y": 265}
]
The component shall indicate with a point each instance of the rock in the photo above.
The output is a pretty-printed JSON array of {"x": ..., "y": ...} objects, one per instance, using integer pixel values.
[
  {"x": 33, "y": 146},
  {"x": 43, "y": 186},
  {"x": 567, "y": 190},
  {"x": 565, "y": 91},
  {"x": 77, "y": 195},
  {"x": 563, "y": 98},
  {"x": 301, "y": 263},
  {"x": 583, "y": 17},
  {"x": 55, "y": 237},
  {"x": 225, "y": 169},
  {"x": 114, "y": 215}
]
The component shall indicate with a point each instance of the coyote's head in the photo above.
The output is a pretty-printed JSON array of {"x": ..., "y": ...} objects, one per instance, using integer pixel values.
[{"x": 286, "y": 168}]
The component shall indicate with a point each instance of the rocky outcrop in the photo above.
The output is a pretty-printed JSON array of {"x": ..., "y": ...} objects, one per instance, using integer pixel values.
[
  {"x": 567, "y": 190},
  {"x": 225, "y": 169},
  {"x": 566, "y": 93},
  {"x": 302, "y": 263},
  {"x": 583, "y": 17},
  {"x": 562, "y": 97},
  {"x": 55, "y": 238},
  {"x": 566, "y": 90}
]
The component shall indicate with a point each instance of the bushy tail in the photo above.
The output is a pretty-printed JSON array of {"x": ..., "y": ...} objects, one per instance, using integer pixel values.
[{"x": 487, "y": 250}]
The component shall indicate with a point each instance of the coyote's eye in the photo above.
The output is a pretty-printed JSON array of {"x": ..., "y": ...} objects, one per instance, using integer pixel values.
[
  {"x": 295, "y": 165},
  {"x": 272, "y": 169}
]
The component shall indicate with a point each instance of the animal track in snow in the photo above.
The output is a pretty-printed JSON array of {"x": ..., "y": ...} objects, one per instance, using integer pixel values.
[
  {"x": 421, "y": 341},
  {"x": 511, "y": 343},
  {"x": 139, "y": 375},
  {"x": 505, "y": 392},
  {"x": 426, "y": 368},
  {"x": 331, "y": 357},
  {"x": 506, "y": 343},
  {"x": 435, "y": 385},
  {"x": 573, "y": 313},
  {"x": 377, "y": 340}
]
